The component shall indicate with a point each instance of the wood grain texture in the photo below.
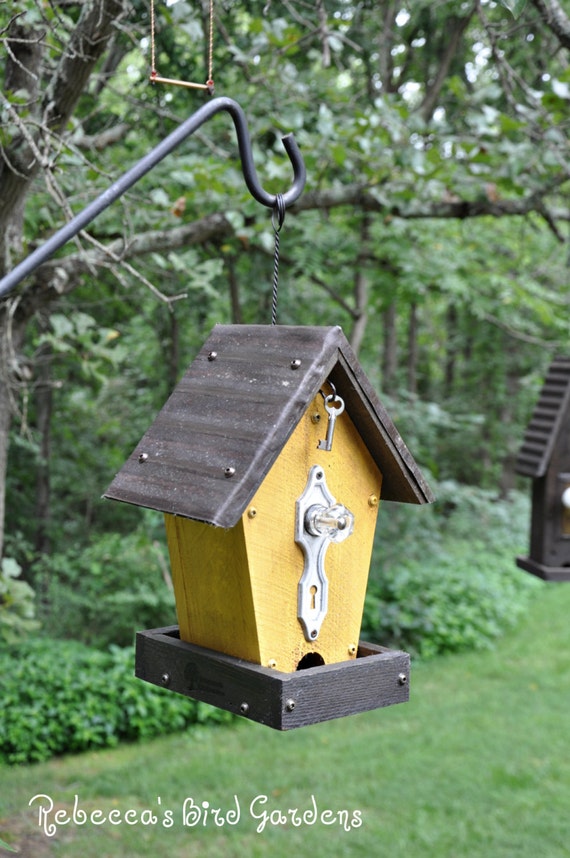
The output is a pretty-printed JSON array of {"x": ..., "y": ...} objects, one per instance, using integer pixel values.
[
  {"x": 212, "y": 586},
  {"x": 276, "y": 562},
  {"x": 236, "y": 589},
  {"x": 540, "y": 436},
  {"x": 377, "y": 678},
  {"x": 545, "y": 456},
  {"x": 237, "y": 405}
]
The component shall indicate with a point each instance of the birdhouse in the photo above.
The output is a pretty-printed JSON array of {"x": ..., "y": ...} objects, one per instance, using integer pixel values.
[
  {"x": 269, "y": 461},
  {"x": 545, "y": 457}
]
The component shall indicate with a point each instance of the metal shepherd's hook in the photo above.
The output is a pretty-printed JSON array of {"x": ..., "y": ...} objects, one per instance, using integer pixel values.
[{"x": 142, "y": 167}]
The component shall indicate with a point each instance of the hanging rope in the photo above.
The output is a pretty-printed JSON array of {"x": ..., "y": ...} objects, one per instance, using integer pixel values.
[
  {"x": 210, "y": 81},
  {"x": 154, "y": 75},
  {"x": 277, "y": 218}
]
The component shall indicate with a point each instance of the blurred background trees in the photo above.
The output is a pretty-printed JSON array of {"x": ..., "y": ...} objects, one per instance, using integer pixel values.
[{"x": 434, "y": 229}]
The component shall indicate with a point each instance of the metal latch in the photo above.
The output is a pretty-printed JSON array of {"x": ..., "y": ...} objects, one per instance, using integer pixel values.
[{"x": 319, "y": 520}]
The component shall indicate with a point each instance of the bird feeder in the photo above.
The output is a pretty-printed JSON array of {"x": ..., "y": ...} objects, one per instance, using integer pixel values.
[
  {"x": 269, "y": 461},
  {"x": 545, "y": 457}
]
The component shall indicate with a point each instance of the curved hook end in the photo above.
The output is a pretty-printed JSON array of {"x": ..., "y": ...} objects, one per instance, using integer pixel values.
[{"x": 299, "y": 170}]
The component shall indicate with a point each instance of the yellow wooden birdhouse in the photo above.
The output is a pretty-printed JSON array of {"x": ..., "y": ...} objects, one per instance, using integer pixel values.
[{"x": 269, "y": 461}]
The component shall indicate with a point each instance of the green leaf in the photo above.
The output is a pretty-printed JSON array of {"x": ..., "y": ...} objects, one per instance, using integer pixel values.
[
  {"x": 61, "y": 325},
  {"x": 515, "y": 7},
  {"x": 10, "y": 568}
]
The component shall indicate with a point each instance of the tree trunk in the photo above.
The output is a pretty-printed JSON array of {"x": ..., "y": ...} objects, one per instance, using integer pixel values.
[
  {"x": 555, "y": 18},
  {"x": 237, "y": 316},
  {"x": 11, "y": 337},
  {"x": 23, "y": 159},
  {"x": 5, "y": 415},
  {"x": 450, "y": 350},
  {"x": 390, "y": 349},
  {"x": 22, "y": 74},
  {"x": 386, "y": 46},
  {"x": 361, "y": 287},
  {"x": 507, "y": 480},
  {"x": 44, "y": 407},
  {"x": 173, "y": 354},
  {"x": 455, "y": 30},
  {"x": 413, "y": 349}
]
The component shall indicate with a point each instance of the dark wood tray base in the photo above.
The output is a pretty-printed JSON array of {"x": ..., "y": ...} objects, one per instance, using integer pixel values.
[
  {"x": 547, "y": 573},
  {"x": 377, "y": 677}
]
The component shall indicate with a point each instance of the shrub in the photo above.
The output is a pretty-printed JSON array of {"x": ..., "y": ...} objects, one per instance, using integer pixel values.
[
  {"x": 101, "y": 593},
  {"x": 17, "y": 603},
  {"x": 62, "y": 697},
  {"x": 458, "y": 586}
]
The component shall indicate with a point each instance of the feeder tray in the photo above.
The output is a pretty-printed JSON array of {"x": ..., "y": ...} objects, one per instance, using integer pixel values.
[
  {"x": 378, "y": 677},
  {"x": 547, "y": 573}
]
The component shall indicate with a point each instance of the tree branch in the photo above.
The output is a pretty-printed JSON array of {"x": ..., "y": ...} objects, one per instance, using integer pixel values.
[
  {"x": 456, "y": 28},
  {"x": 61, "y": 276},
  {"x": 364, "y": 198},
  {"x": 555, "y": 19},
  {"x": 103, "y": 139},
  {"x": 19, "y": 164}
]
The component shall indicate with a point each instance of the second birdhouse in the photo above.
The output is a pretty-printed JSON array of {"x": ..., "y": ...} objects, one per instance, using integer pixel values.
[
  {"x": 545, "y": 456},
  {"x": 269, "y": 461}
]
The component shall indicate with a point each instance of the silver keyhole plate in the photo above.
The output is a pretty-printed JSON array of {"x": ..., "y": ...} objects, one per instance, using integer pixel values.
[{"x": 312, "y": 593}]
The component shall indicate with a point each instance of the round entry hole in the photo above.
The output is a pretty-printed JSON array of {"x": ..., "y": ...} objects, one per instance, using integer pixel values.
[{"x": 312, "y": 659}]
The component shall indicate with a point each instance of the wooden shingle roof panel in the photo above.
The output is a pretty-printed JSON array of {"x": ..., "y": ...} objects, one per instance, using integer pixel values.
[
  {"x": 542, "y": 430},
  {"x": 402, "y": 479},
  {"x": 236, "y": 407}
]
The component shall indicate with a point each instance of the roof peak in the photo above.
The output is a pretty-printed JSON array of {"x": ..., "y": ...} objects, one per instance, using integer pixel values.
[{"x": 235, "y": 408}]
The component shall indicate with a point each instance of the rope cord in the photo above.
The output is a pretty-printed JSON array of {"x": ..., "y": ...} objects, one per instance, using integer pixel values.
[
  {"x": 152, "y": 46},
  {"x": 277, "y": 219},
  {"x": 210, "y": 80}
]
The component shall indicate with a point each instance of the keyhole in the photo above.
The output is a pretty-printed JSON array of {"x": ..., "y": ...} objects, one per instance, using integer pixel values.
[{"x": 313, "y": 592}]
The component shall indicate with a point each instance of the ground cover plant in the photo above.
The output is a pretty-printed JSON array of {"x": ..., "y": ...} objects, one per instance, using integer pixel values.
[
  {"x": 442, "y": 578},
  {"x": 434, "y": 589},
  {"x": 476, "y": 764},
  {"x": 63, "y": 697}
]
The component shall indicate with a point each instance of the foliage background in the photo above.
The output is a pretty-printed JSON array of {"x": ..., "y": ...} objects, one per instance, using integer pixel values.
[{"x": 433, "y": 229}]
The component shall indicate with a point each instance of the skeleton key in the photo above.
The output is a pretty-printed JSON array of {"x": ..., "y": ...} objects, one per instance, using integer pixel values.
[{"x": 333, "y": 413}]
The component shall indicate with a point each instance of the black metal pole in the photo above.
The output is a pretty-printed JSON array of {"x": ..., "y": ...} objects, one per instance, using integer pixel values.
[{"x": 142, "y": 167}]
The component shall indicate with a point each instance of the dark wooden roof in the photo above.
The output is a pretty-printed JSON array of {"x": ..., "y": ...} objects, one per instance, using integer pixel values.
[
  {"x": 237, "y": 405},
  {"x": 542, "y": 431}
]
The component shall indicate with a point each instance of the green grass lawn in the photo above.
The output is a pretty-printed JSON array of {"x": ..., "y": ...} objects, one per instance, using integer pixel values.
[{"x": 477, "y": 765}]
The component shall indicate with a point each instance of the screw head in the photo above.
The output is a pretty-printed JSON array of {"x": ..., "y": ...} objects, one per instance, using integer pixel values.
[
  {"x": 229, "y": 472},
  {"x": 314, "y": 633},
  {"x": 244, "y": 708},
  {"x": 252, "y": 512},
  {"x": 402, "y": 678},
  {"x": 290, "y": 705},
  {"x": 165, "y": 679},
  {"x": 353, "y": 649},
  {"x": 373, "y": 500},
  {"x": 272, "y": 663},
  {"x": 212, "y": 356},
  {"x": 295, "y": 364},
  {"x": 143, "y": 457}
]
